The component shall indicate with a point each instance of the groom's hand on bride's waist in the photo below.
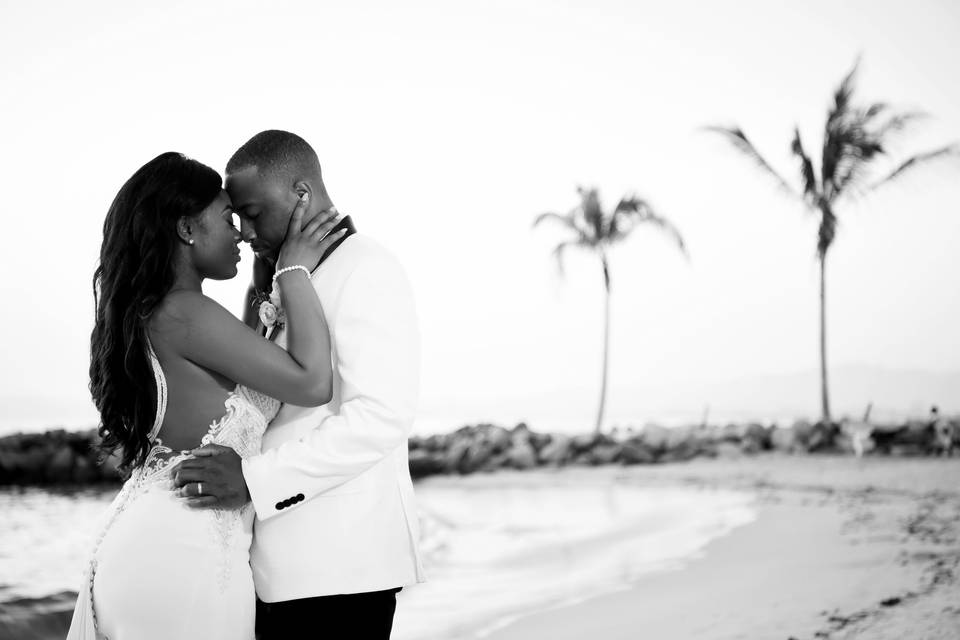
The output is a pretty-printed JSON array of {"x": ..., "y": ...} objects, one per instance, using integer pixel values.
[{"x": 212, "y": 479}]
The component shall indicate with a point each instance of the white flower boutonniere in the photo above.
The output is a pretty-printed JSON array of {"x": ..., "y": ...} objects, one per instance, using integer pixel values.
[{"x": 270, "y": 312}]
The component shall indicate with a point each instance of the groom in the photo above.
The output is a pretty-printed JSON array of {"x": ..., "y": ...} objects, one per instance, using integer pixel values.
[{"x": 336, "y": 529}]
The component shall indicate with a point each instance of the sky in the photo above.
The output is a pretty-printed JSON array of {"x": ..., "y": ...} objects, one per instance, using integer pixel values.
[{"x": 445, "y": 128}]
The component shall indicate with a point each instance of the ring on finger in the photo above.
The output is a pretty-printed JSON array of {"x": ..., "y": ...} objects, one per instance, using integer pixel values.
[{"x": 199, "y": 488}]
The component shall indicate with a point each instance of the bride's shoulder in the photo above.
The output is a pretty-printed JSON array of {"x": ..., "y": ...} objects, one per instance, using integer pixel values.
[{"x": 180, "y": 310}]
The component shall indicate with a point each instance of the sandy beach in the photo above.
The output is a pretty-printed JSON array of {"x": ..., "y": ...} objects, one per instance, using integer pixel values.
[
  {"x": 841, "y": 549},
  {"x": 771, "y": 546}
]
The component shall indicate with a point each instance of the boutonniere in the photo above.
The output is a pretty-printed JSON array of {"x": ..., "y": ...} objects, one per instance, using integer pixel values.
[{"x": 269, "y": 309}]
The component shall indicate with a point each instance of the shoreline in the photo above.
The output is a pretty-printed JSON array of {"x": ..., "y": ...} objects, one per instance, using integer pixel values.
[{"x": 838, "y": 550}]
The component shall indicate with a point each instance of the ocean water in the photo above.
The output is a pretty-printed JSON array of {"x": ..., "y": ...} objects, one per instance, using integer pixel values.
[{"x": 494, "y": 549}]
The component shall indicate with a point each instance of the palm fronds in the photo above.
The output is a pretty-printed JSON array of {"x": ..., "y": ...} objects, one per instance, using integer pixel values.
[
  {"x": 739, "y": 139},
  {"x": 919, "y": 159}
]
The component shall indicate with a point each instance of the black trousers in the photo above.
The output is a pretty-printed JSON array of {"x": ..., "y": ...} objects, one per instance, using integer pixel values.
[{"x": 364, "y": 616}]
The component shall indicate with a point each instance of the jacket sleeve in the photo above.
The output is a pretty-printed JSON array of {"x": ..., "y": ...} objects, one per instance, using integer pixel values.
[{"x": 377, "y": 348}]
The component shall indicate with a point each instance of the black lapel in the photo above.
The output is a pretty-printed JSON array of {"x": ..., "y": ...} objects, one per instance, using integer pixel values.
[{"x": 345, "y": 223}]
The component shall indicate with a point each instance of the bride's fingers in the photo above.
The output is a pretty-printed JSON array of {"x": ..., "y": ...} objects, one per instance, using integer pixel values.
[
  {"x": 185, "y": 476},
  {"x": 332, "y": 238},
  {"x": 202, "y": 502},
  {"x": 296, "y": 218},
  {"x": 190, "y": 490},
  {"x": 325, "y": 220}
]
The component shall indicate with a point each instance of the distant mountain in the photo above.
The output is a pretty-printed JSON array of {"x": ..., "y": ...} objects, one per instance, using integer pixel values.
[{"x": 896, "y": 394}]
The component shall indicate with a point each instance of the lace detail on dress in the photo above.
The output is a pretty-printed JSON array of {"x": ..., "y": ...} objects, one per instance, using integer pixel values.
[
  {"x": 241, "y": 428},
  {"x": 161, "y": 383}
]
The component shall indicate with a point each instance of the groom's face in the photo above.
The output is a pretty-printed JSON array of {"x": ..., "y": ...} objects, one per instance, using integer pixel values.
[{"x": 264, "y": 205}]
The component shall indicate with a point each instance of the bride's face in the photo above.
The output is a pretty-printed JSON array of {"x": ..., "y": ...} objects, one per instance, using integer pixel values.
[{"x": 216, "y": 251}]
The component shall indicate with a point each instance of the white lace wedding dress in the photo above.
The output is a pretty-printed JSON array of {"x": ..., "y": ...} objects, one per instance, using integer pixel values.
[{"x": 161, "y": 570}]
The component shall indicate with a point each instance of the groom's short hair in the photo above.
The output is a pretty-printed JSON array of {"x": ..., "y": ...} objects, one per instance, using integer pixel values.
[{"x": 276, "y": 153}]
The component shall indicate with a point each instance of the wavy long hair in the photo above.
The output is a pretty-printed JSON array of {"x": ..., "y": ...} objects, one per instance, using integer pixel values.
[{"x": 135, "y": 272}]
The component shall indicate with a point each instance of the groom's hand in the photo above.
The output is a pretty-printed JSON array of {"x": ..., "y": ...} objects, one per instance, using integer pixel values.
[{"x": 213, "y": 479}]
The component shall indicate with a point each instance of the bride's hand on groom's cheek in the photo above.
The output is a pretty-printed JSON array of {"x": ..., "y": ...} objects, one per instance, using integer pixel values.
[{"x": 212, "y": 479}]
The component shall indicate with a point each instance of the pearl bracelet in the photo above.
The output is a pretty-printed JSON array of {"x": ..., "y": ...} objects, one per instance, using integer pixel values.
[{"x": 296, "y": 267}]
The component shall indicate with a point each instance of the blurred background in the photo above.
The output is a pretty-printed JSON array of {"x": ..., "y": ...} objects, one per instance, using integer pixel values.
[{"x": 445, "y": 129}]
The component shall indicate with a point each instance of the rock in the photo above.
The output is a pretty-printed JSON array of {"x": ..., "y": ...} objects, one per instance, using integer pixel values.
[
  {"x": 822, "y": 436},
  {"x": 784, "y": 439},
  {"x": 728, "y": 450},
  {"x": 540, "y": 440},
  {"x": 477, "y": 455},
  {"x": 453, "y": 459},
  {"x": 905, "y": 450},
  {"x": 425, "y": 463},
  {"x": 582, "y": 459},
  {"x": 731, "y": 433},
  {"x": 680, "y": 443},
  {"x": 522, "y": 455},
  {"x": 60, "y": 467},
  {"x": 679, "y": 453},
  {"x": 635, "y": 451},
  {"x": 918, "y": 435},
  {"x": 583, "y": 442},
  {"x": 655, "y": 436},
  {"x": 557, "y": 452},
  {"x": 84, "y": 471},
  {"x": 436, "y": 442},
  {"x": 680, "y": 437},
  {"x": 494, "y": 463},
  {"x": 802, "y": 429},
  {"x": 110, "y": 468},
  {"x": 521, "y": 433},
  {"x": 499, "y": 438},
  {"x": 754, "y": 438},
  {"x": 884, "y": 436},
  {"x": 605, "y": 453}
]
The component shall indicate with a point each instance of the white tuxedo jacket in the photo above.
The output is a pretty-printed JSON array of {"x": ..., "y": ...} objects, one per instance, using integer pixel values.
[{"x": 332, "y": 490}]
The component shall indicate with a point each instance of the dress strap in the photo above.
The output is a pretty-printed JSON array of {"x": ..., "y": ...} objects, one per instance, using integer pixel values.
[{"x": 161, "y": 383}]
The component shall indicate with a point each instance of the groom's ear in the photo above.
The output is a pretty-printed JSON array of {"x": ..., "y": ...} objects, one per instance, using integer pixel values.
[{"x": 301, "y": 188}]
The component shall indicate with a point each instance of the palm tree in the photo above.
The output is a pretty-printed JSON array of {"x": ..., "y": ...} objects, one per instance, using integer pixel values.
[
  {"x": 598, "y": 231},
  {"x": 854, "y": 138}
]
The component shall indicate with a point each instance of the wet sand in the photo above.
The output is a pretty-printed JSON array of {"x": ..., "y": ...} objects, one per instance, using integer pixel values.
[{"x": 842, "y": 549}]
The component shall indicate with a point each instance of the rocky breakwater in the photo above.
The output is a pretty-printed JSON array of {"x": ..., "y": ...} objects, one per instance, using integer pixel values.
[
  {"x": 55, "y": 458},
  {"x": 488, "y": 447},
  {"x": 63, "y": 457}
]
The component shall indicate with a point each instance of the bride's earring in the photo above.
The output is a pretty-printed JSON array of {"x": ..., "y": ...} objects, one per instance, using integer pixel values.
[{"x": 190, "y": 241}]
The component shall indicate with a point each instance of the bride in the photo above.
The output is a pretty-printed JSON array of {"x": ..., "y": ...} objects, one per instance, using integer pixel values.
[{"x": 170, "y": 371}]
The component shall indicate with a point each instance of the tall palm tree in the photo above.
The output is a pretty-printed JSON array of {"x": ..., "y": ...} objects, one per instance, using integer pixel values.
[
  {"x": 598, "y": 231},
  {"x": 855, "y": 138}
]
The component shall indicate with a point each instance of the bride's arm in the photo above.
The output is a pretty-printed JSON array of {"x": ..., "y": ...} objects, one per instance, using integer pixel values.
[{"x": 205, "y": 333}]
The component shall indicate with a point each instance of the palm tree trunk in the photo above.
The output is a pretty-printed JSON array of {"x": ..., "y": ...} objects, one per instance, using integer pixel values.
[
  {"x": 606, "y": 343},
  {"x": 824, "y": 393}
]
